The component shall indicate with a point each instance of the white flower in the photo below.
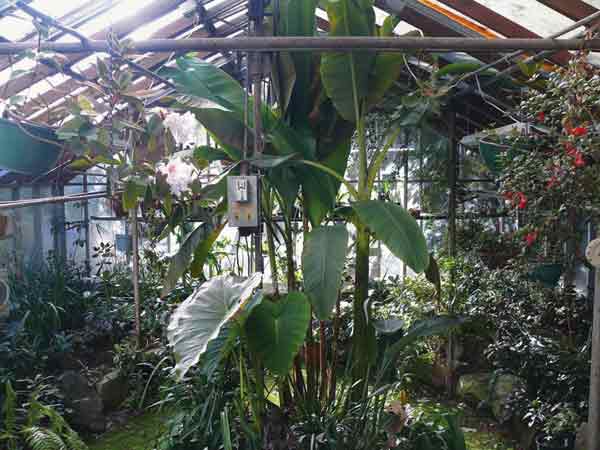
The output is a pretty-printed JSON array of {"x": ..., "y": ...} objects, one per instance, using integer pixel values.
[
  {"x": 183, "y": 127},
  {"x": 180, "y": 174}
]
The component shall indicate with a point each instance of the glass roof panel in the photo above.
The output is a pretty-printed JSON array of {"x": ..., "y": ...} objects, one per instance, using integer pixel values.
[{"x": 532, "y": 15}]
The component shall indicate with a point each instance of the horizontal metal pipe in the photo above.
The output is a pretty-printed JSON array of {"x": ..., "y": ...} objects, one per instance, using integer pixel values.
[
  {"x": 50, "y": 200},
  {"x": 325, "y": 44}
]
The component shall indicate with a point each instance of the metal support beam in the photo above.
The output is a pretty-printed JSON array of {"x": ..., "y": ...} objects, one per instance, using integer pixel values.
[{"x": 302, "y": 43}]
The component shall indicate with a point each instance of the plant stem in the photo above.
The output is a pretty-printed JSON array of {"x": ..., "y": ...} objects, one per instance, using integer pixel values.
[{"x": 136, "y": 275}]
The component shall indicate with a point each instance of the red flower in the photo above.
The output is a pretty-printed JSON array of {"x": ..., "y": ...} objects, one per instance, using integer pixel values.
[
  {"x": 508, "y": 195},
  {"x": 522, "y": 200},
  {"x": 571, "y": 149},
  {"x": 578, "y": 131},
  {"x": 579, "y": 160},
  {"x": 541, "y": 116},
  {"x": 531, "y": 237},
  {"x": 553, "y": 181}
]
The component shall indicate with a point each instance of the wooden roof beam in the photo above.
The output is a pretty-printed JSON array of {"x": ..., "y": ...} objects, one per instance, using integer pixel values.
[{"x": 573, "y": 9}]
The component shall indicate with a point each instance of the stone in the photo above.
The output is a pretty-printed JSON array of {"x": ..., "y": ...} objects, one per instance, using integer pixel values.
[
  {"x": 475, "y": 386},
  {"x": 85, "y": 407},
  {"x": 113, "y": 390},
  {"x": 581, "y": 437},
  {"x": 504, "y": 387}
]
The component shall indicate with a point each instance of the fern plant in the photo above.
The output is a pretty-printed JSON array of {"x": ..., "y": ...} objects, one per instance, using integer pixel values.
[{"x": 38, "y": 426}]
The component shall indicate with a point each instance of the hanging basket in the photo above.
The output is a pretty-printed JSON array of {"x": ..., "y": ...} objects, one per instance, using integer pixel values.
[
  {"x": 548, "y": 274},
  {"x": 492, "y": 154}
]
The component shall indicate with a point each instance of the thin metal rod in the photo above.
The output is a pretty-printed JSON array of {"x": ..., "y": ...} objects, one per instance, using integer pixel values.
[
  {"x": 51, "y": 200},
  {"x": 303, "y": 43}
]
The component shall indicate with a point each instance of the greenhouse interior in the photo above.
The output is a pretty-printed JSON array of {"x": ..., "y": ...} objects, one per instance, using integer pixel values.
[{"x": 299, "y": 224}]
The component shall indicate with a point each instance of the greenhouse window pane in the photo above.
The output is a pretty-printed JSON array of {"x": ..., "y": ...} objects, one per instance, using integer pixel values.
[{"x": 532, "y": 15}]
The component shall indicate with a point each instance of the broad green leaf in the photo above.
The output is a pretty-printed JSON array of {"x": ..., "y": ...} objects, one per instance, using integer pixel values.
[
  {"x": 283, "y": 74},
  {"x": 424, "y": 328},
  {"x": 199, "y": 319},
  {"x": 207, "y": 153},
  {"x": 130, "y": 195},
  {"x": 297, "y": 18},
  {"x": 204, "y": 80},
  {"x": 320, "y": 189},
  {"x": 276, "y": 330},
  {"x": 180, "y": 260},
  {"x": 397, "y": 229},
  {"x": 219, "y": 348},
  {"x": 389, "y": 25},
  {"x": 202, "y": 251},
  {"x": 323, "y": 259},
  {"x": 346, "y": 75},
  {"x": 388, "y": 66},
  {"x": 270, "y": 162}
]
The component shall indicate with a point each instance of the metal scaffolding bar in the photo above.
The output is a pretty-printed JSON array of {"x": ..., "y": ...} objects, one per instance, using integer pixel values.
[{"x": 301, "y": 43}]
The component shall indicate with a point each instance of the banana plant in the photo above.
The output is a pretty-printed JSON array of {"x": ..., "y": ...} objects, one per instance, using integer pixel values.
[{"x": 355, "y": 82}]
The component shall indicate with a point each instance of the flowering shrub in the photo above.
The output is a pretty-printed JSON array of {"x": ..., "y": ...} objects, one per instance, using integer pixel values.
[
  {"x": 552, "y": 175},
  {"x": 183, "y": 127},
  {"x": 179, "y": 175}
]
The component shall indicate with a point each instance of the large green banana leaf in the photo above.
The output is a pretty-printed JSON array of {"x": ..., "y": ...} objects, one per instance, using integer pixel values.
[
  {"x": 323, "y": 260},
  {"x": 346, "y": 75},
  {"x": 397, "y": 229}
]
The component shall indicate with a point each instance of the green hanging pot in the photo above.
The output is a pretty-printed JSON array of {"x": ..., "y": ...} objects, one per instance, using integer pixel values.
[
  {"x": 22, "y": 153},
  {"x": 490, "y": 152},
  {"x": 548, "y": 274}
]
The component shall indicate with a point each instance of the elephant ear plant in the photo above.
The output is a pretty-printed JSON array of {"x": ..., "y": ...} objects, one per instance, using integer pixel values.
[{"x": 224, "y": 314}]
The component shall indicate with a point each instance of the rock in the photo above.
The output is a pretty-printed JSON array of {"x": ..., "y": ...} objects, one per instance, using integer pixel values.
[
  {"x": 475, "y": 386},
  {"x": 581, "y": 437},
  {"x": 85, "y": 405},
  {"x": 505, "y": 386},
  {"x": 113, "y": 390}
]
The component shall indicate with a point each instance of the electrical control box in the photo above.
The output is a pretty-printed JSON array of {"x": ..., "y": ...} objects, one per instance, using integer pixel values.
[{"x": 243, "y": 201}]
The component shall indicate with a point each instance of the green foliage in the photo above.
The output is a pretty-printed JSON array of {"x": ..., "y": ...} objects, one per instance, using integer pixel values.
[
  {"x": 346, "y": 75},
  {"x": 397, "y": 229},
  {"x": 323, "y": 260},
  {"x": 38, "y": 425},
  {"x": 199, "y": 319},
  {"x": 277, "y": 329}
]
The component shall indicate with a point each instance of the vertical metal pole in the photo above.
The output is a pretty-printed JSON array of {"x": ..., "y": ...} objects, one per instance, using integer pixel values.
[
  {"x": 38, "y": 245},
  {"x": 593, "y": 424},
  {"x": 257, "y": 80},
  {"x": 86, "y": 224},
  {"x": 452, "y": 176}
]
